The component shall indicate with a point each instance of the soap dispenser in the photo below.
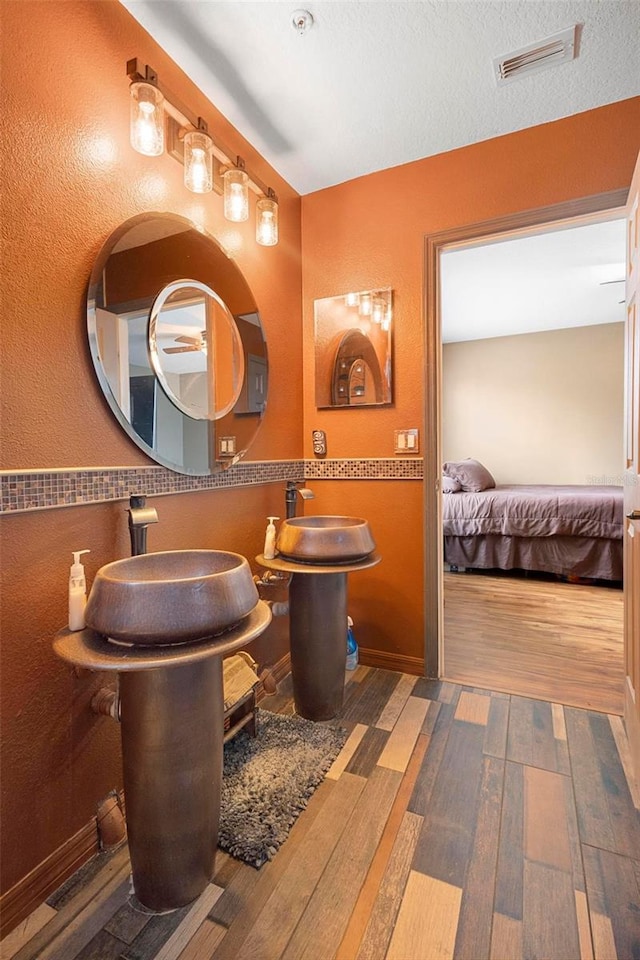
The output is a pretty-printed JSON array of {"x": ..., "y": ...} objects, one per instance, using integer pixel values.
[
  {"x": 77, "y": 592},
  {"x": 269, "y": 551}
]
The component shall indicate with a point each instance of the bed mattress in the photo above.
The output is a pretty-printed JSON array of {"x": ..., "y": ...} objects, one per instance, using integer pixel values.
[{"x": 535, "y": 511}]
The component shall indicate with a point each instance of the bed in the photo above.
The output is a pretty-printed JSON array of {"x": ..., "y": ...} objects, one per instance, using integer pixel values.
[{"x": 571, "y": 531}]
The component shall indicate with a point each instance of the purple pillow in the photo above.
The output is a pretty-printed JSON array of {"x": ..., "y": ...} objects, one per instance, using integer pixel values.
[
  {"x": 449, "y": 485},
  {"x": 470, "y": 474}
]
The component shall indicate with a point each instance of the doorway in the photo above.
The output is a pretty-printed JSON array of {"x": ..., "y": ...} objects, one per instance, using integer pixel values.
[{"x": 602, "y": 207}]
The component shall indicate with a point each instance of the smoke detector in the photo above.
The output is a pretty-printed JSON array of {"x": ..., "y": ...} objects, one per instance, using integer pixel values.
[{"x": 558, "y": 48}]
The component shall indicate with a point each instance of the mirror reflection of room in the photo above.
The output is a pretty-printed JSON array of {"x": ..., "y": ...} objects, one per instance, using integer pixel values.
[{"x": 353, "y": 349}]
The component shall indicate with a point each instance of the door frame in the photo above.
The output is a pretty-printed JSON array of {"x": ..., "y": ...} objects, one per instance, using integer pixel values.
[{"x": 612, "y": 202}]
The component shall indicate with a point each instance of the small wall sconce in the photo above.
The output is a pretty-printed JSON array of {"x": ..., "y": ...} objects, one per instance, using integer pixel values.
[{"x": 158, "y": 119}]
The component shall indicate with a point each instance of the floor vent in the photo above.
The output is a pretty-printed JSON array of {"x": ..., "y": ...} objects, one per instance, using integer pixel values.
[{"x": 546, "y": 53}]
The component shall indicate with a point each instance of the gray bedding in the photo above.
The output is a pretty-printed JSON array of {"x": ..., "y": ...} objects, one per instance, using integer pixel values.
[{"x": 535, "y": 511}]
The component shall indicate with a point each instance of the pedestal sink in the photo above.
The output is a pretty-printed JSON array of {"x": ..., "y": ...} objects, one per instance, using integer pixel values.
[
  {"x": 320, "y": 552},
  {"x": 171, "y": 617}
]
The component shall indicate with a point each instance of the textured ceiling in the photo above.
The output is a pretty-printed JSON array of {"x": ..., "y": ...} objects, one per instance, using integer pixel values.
[
  {"x": 376, "y": 84},
  {"x": 533, "y": 283}
]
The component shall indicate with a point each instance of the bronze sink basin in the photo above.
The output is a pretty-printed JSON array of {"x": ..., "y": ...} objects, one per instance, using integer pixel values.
[
  {"x": 325, "y": 539},
  {"x": 171, "y": 597}
]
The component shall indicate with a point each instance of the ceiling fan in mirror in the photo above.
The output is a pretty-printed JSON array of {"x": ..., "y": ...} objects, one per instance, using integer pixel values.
[{"x": 191, "y": 344}]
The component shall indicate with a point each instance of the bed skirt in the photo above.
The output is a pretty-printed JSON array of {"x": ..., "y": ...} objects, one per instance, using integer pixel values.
[{"x": 594, "y": 558}]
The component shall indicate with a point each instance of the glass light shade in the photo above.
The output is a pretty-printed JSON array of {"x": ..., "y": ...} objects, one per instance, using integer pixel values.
[
  {"x": 353, "y": 299},
  {"x": 267, "y": 222},
  {"x": 198, "y": 162},
  {"x": 236, "y": 195},
  {"x": 378, "y": 309},
  {"x": 147, "y": 119},
  {"x": 366, "y": 304}
]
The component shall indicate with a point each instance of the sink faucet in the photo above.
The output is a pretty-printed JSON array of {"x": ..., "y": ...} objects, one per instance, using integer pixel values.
[
  {"x": 291, "y": 495},
  {"x": 140, "y": 516}
]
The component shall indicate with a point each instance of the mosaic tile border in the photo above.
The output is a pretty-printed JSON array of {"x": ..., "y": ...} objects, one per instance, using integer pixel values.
[
  {"x": 380, "y": 468},
  {"x": 24, "y": 491}
]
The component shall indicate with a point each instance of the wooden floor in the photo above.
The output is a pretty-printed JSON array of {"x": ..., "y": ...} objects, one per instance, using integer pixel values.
[
  {"x": 545, "y": 639},
  {"x": 456, "y": 823}
]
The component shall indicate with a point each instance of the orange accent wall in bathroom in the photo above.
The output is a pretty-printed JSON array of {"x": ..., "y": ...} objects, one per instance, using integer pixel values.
[{"x": 70, "y": 178}]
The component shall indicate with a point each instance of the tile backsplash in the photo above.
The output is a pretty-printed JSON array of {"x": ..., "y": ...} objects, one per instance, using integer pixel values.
[{"x": 22, "y": 491}]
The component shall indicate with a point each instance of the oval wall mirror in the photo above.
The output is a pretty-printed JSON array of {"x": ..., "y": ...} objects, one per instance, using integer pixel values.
[{"x": 177, "y": 344}]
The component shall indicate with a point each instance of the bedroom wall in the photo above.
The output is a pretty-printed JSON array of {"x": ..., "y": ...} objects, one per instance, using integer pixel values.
[{"x": 538, "y": 407}]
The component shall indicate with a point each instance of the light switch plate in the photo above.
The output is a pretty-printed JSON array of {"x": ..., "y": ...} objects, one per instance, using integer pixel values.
[
  {"x": 319, "y": 443},
  {"x": 407, "y": 441}
]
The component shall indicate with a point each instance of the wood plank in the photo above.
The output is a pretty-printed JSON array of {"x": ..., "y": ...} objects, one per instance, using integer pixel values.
[
  {"x": 550, "y": 924},
  {"x": 339, "y": 765},
  {"x": 427, "y": 921},
  {"x": 473, "y": 939},
  {"x": 431, "y": 718},
  {"x": 108, "y": 879},
  {"x": 559, "y": 726},
  {"x": 334, "y": 897},
  {"x": 495, "y": 738},
  {"x": 625, "y": 818},
  {"x": 104, "y": 946},
  {"x": 379, "y": 928},
  {"x": 509, "y": 874},
  {"x": 399, "y": 747},
  {"x": 624, "y": 752},
  {"x": 614, "y": 893},
  {"x": 448, "y": 831},
  {"x": 604, "y": 944},
  {"x": 244, "y": 905},
  {"x": 421, "y": 796},
  {"x": 584, "y": 927},
  {"x": 506, "y": 938},
  {"x": 368, "y": 753},
  {"x": 539, "y": 639},
  {"x": 396, "y": 702},
  {"x": 183, "y": 933},
  {"x": 156, "y": 933},
  {"x": 473, "y": 708},
  {"x": 25, "y": 930},
  {"x": 531, "y": 737},
  {"x": 370, "y": 696},
  {"x": 84, "y": 927},
  {"x": 546, "y": 839},
  {"x": 371, "y": 886},
  {"x": 204, "y": 941},
  {"x": 269, "y": 934},
  {"x": 127, "y": 923}
]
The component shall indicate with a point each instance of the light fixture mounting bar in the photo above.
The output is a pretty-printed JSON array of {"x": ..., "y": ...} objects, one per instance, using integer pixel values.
[{"x": 136, "y": 71}]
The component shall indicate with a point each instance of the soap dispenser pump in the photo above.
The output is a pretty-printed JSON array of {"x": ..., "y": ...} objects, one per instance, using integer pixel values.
[
  {"x": 77, "y": 592},
  {"x": 269, "y": 551}
]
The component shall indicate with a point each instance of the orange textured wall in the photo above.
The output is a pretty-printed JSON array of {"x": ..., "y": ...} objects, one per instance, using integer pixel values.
[
  {"x": 70, "y": 177},
  {"x": 369, "y": 233}
]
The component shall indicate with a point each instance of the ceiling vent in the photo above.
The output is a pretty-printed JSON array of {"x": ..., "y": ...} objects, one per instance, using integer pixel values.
[{"x": 549, "y": 52}]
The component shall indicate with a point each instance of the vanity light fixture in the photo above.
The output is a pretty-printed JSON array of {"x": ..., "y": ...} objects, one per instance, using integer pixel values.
[
  {"x": 236, "y": 193},
  {"x": 147, "y": 116},
  {"x": 267, "y": 220},
  {"x": 352, "y": 299},
  {"x": 198, "y": 159},
  {"x": 159, "y": 121}
]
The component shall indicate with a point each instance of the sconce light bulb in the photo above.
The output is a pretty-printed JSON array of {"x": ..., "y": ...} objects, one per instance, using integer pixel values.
[
  {"x": 366, "y": 305},
  {"x": 267, "y": 222},
  {"x": 198, "y": 162},
  {"x": 353, "y": 299},
  {"x": 147, "y": 119},
  {"x": 236, "y": 195}
]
